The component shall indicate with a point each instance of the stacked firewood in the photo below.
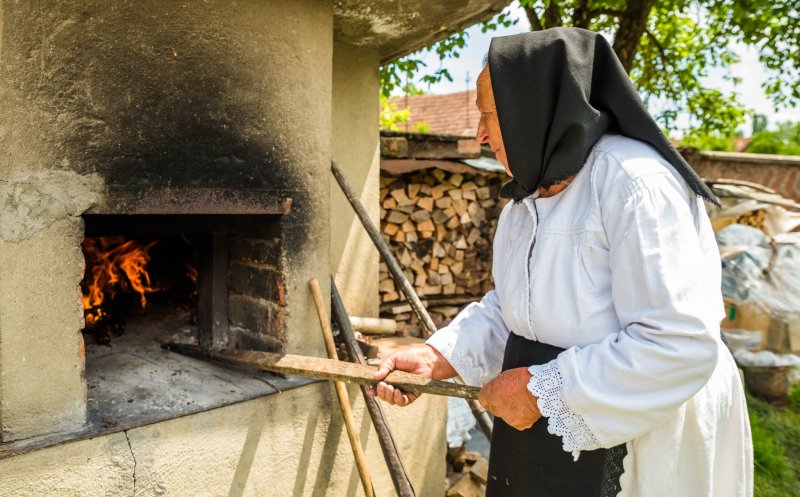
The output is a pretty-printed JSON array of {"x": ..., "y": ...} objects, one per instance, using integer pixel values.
[
  {"x": 467, "y": 473},
  {"x": 440, "y": 226}
]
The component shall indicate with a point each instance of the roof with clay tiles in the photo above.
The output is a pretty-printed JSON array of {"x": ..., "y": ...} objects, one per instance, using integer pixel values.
[{"x": 451, "y": 114}]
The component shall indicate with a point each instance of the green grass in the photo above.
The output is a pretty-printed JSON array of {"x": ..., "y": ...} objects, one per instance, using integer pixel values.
[{"x": 776, "y": 446}]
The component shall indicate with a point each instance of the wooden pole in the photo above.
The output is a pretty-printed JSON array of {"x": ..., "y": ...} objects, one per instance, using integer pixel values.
[
  {"x": 386, "y": 253},
  {"x": 481, "y": 416},
  {"x": 341, "y": 392},
  {"x": 400, "y": 479}
]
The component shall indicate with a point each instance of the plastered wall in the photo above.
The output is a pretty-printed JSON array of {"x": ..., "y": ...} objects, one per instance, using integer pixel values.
[
  {"x": 42, "y": 388},
  {"x": 287, "y": 444},
  {"x": 355, "y": 147}
]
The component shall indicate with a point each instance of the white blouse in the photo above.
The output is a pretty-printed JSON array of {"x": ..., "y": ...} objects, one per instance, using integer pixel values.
[{"x": 621, "y": 268}]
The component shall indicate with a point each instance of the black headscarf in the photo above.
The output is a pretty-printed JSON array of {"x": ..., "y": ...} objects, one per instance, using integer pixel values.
[{"x": 557, "y": 92}]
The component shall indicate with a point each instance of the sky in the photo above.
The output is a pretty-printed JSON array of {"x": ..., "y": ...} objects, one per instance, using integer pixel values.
[{"x": 749, "y": 69}]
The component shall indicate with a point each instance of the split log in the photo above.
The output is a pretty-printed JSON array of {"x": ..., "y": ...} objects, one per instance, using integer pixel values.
[
  {"x": 458, "y": 213},
  {"x": 373, "y": 326}
]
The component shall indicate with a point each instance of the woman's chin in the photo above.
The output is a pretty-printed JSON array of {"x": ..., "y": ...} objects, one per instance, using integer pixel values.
[{"x": 500, "y": 156}]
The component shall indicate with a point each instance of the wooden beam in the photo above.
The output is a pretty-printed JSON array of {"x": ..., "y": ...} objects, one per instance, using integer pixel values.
[
  {"x": 414, "y": 146},
  {"x": 190, "y": 200}
]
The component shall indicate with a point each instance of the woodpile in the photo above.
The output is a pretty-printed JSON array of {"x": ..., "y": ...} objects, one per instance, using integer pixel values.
[
  {"x": 440, "y": 226},
  {"x": 467, "y": 473}
]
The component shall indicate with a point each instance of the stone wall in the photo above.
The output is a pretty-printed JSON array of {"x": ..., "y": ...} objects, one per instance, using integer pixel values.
[{"x": 779, "y": 172}]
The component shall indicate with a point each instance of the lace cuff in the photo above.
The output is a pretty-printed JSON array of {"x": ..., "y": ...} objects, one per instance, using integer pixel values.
[
  {"x": 467, "y": 366},
  {"x": 545, "y": 384}
]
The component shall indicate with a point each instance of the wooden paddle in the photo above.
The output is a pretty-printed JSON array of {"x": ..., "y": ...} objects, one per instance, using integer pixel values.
[{"x": 326, "y": 369}]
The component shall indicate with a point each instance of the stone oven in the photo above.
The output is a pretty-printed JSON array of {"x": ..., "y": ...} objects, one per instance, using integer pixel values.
[
  {"x": 206, "y": 128},
  {"x": 151, "y": 119}
]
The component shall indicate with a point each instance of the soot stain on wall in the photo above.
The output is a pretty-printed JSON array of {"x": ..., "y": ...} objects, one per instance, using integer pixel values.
[{"x": 152, "y": 94}]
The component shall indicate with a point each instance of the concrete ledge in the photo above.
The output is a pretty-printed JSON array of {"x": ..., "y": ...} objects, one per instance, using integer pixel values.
[{"x": 279, "y": 445}]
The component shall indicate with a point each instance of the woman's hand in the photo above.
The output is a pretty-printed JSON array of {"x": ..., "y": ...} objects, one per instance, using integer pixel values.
[
  {"x": 422, "y": 360},
  {"x": 507, "y": 397}
]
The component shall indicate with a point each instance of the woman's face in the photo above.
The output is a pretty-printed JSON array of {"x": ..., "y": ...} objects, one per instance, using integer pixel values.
[{"x": 489, "y": 125}]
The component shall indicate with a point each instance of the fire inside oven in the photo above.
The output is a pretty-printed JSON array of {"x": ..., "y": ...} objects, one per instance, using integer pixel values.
[{"x": 129, "y": 277}]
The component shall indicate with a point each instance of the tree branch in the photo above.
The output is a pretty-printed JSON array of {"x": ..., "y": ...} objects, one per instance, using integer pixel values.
[
  {"x": 632, "y": 26},
  {"x": 662, "y": 54},
  {"x": 533, "y": 18},
  {"x": 552, "y": 15},
  {"x": 582, "y": 15},
  {"x": 599, "y": 11}
]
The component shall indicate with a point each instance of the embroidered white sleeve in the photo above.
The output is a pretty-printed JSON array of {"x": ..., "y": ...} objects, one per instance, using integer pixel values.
[{"x": 546, "y": 385}]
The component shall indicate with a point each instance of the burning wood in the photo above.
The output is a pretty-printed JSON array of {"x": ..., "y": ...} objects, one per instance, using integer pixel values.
[
  {"x": 118, "y": 279},
  {"x": 116, "y": 267}
]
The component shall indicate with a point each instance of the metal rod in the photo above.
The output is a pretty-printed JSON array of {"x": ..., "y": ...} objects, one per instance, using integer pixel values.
[
  {"x": 400, "y": 479},
  {"x": 481, "y": 416}
]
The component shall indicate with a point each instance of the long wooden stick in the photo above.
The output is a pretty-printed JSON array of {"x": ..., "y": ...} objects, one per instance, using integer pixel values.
[
  {"x": 400, "y": 479},
  {"x": 481, "y": 416},
  {"x": 394, "y": 268},
  {"x": 325, "y": 369},
  {"x": 341, "y": 393}
]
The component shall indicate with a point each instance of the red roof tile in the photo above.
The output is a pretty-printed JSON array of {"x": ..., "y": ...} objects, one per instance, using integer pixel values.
[{"x": 451, "y": 114}]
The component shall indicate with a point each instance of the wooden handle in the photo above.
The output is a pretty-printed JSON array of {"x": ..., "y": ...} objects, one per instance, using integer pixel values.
[{"x": 341, "y": 392}]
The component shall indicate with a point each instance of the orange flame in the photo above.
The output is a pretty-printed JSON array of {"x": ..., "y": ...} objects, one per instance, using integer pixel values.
[
  {"x": 191, "y": 272},
  {"x": 109, "y": 259}
]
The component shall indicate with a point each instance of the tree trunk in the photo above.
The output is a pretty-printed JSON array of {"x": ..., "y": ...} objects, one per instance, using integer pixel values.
[{"x": 632, "y": 26}]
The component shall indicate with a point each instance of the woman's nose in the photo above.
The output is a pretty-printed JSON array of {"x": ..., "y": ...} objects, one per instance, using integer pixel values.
[{"x": 482, "y": 136}]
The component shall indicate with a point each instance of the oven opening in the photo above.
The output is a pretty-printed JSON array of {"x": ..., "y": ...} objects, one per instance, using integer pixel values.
[{"x": 210, "y": 280}]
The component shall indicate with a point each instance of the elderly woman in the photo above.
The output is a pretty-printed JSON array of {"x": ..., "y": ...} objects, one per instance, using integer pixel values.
[{"x": 599, "y": 349}]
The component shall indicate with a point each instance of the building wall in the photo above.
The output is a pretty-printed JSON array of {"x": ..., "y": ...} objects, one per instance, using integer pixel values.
[
  {"x": 355, "y": 147},
  {"x": 781, "y": 173},
  {"x": 287, "y": 444}
]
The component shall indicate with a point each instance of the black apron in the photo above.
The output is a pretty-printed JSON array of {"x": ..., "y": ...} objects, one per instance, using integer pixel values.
[{"x": 532, "y": 463}]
